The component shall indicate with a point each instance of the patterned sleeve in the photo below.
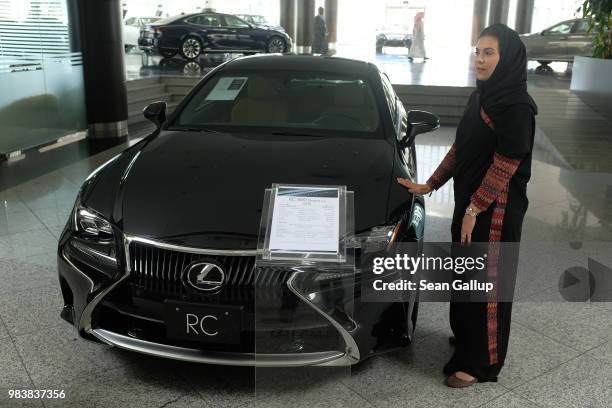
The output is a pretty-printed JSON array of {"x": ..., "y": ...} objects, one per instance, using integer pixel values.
[
  {"x": 497, "y": 178},
  {"x": 444, "y": 171},
  {"x": 514, "y": 131}
]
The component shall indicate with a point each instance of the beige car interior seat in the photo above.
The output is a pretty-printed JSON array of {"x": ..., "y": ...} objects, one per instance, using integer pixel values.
[{"x": 262, "y": 105}]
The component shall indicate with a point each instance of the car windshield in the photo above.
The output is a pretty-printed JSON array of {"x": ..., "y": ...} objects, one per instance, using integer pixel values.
[
  {"x": 149, "y": 20},
  {"x": 296, "y": 102},
  {"x": 258, "y": 19}
]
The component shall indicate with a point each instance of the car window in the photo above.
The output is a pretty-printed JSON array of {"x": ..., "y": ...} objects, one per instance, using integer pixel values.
[
  {"x": 259, "y": 20},
  {"x": 563, "y": 28},
  {"x": 211, "y": 20},
  {"x": 582, "y": 26},
  {"x": 313, "y": 102},
  {"x": 148, "y": 20},
  {"x": 390, "y": 96},
  {"x": 233, "y": 21}
]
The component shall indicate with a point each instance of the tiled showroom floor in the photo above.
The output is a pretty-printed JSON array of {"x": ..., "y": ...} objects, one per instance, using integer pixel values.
[{"x": 560, "y": 353}]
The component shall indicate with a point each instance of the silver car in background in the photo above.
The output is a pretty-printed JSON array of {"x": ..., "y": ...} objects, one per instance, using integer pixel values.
[
  {"x": 395, "y": 35},
  {"x": 561, "y": 42}
]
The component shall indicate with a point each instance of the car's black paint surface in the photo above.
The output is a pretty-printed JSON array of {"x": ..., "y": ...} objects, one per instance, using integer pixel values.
[{"x": 207, "y": 175}]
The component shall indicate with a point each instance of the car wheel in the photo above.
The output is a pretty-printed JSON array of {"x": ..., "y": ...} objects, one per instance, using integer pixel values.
[
  {"x": 192, "y": 68},
  {"x": 276, "y": 45},
  {"x": 167, "y": 53},
  {"x": 191, "y": 48}
]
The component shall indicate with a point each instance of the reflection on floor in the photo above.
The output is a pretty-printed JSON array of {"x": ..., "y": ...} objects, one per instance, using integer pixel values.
[
  {"x": 560, "y": 353},
  {"x": 395, "y": 62}
]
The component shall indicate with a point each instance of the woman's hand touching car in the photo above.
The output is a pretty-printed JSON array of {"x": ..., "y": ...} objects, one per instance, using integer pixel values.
[{"x": 418, "y": 189}]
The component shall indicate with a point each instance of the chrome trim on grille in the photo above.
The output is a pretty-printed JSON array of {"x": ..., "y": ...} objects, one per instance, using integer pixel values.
[
  {"x": 352, "y": 354},
  {"x": 222, "y": 358},
  {"x": 165, "y": 245},
  {"x": 326, "y": 358},
  {"x": 85, "y": 320},
  {"x": 157, "y": 268}
]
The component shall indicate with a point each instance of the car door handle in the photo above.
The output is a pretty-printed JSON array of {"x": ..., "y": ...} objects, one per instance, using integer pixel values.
[{"x": 563, "y": 38}]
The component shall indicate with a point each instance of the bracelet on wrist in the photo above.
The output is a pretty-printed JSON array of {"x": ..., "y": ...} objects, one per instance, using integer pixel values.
[{"x": 471, "y": 212}]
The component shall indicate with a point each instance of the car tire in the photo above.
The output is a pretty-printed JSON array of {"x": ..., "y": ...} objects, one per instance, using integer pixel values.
[
  {"x": 276, "y": 45},
  {"x": 191, "y": 48},
  {"x": 167, "y": 53}
]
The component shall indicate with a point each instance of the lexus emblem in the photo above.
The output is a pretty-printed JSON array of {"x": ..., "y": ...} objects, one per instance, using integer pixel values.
[{"x": 205, "y": 276}]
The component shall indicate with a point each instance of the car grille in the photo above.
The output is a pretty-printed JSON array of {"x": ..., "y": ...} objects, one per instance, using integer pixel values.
[{"x": 157, "y": 272}]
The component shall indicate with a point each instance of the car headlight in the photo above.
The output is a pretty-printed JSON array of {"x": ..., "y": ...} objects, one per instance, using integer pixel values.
[
  {"x": 93, "y": 239},
  {"x": 378, "y": 238},
  {"x": 89, "y": 224}
]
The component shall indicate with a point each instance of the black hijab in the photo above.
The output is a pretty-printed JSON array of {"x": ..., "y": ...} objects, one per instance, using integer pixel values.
[{"x": 507, "y": 85}]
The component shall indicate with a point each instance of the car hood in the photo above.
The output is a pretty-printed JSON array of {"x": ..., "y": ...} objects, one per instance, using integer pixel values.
[
  {"x": 271, "y": 27},
  {"x": 207, "y": 189}
]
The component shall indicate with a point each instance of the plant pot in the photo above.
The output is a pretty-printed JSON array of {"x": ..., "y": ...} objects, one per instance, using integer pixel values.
[{"x": 592, "y": 75}]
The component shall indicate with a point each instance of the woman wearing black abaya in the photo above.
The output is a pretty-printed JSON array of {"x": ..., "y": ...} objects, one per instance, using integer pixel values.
[{"x": 490, "y": 163}]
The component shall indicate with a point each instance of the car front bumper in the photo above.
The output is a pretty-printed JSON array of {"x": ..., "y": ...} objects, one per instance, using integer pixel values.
[{"x": 105, "y": 308}]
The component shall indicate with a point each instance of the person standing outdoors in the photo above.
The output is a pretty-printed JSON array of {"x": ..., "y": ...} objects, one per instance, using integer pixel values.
[
  {"x": 418, "y": 38},
  {"x": 490, "y": 163},
  {"x": 319, "y": 41}
]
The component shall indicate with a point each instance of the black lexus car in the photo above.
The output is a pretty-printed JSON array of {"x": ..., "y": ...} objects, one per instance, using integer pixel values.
[
  {"x": 191, "y": 35},
  {"x": 159, "y": 254}
]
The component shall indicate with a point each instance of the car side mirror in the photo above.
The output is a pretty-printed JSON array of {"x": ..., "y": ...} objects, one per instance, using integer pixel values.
[
  {"x": 156, "y": 113},
  {"x": 419, "y": 122}
]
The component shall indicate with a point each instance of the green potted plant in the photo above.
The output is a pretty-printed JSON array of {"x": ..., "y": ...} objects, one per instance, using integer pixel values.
[
  {"x": 599, "y": 13},
  {"x": 594, "y": 74}
]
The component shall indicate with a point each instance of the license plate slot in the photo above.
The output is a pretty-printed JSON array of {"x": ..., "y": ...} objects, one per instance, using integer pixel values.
[{"x": 202, "y": 322}]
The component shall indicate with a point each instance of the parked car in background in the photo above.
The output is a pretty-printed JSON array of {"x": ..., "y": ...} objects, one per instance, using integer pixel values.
[
  {"x": 165, "y": 233},
  {"x": 192, "y": 35},
  {"x": 260, "y": 21},
  {"x": 561, "y": 42},
  {"x": 131, "y": 30},
  {"x": 393, "y": 36}
]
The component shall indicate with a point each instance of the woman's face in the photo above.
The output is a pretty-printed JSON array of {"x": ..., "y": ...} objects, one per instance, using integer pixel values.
[{"x": 487, "y": 57}]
